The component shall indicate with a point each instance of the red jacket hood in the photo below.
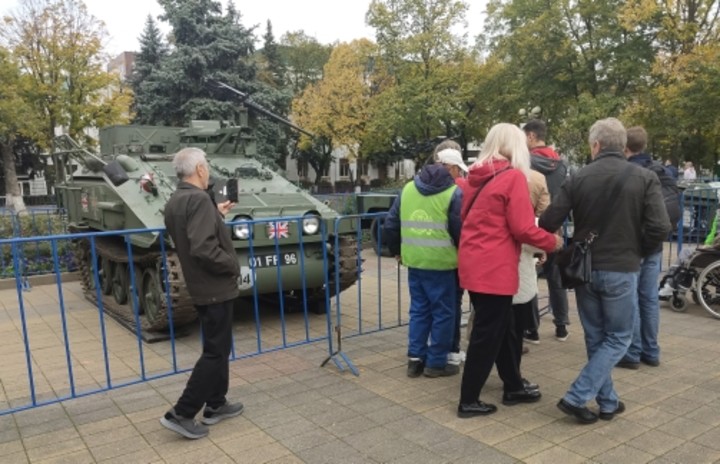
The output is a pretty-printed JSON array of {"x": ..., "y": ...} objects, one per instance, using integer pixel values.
[
  {"x": 480, "y": 175},
  {"x": 547, "y": 152}
]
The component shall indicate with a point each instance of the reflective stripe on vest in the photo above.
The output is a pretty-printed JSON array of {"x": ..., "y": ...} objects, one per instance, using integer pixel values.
[{"x": 426, "y": 242}]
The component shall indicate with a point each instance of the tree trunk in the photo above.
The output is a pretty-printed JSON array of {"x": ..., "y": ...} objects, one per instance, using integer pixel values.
[{"x": 13, "y": 199}]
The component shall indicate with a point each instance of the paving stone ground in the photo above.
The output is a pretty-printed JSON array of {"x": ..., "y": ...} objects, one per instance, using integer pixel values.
[{"x": 299, "y": 412}]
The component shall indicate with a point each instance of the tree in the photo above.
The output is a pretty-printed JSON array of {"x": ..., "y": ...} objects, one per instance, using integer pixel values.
[
  {"x": 148, "y": 62},
  {"x": 576, "y": 60},
  {"x": 273, "y": 62},
  {"x": 16, "y": 119},
  {"x": 677, "y": 106},
  {"x": 58, "y": 45},
  {"x": 305, "y": 58},
  {"x": 207, "y": 45},
  {"x": 434, "y": 77},
  {"x": 335, "y": 108}
]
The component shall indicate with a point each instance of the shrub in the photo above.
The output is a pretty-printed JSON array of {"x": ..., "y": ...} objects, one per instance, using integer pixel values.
[{"x": 34, "y": 257}]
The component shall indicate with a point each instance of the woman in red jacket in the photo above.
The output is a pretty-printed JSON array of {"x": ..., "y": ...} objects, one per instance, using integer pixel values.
[{"x": 497, "y": 218}]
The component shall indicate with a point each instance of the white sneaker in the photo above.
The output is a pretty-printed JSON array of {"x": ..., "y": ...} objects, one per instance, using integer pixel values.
[
  {"x": 667, "y": 290},
  {"x": 455, "y": 359}
]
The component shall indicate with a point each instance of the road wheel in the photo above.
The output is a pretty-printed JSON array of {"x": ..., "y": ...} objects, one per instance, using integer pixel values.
[
  {"x": 151, "y": 294},
  {"x": 105, "y": 275},
  {"x": 120, "y": 282}
]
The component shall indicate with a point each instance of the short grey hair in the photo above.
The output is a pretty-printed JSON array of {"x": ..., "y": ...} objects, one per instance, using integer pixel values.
[
  {"x": 186, "y": 160},
  {"x": 610, "y": 134}
]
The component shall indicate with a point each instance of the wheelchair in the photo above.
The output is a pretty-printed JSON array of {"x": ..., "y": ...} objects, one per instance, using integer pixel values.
[{"x": 699, "y": 273}]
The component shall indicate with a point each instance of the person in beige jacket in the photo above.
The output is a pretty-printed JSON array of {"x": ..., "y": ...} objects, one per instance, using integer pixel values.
[{"x": 525, "y": 300}]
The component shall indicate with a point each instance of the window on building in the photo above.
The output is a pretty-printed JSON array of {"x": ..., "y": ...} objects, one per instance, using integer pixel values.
[
  {"x": 344, "y": 167},
  {"x": 363, "y": 168},
  {"x": 302, "y": 168}
]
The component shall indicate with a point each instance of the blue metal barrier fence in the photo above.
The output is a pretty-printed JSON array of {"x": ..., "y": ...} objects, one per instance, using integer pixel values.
[{"x": 57, "y": 346}]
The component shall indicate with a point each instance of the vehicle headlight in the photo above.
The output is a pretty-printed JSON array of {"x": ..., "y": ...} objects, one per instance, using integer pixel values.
[
  {"x": 241, "y": 231},
  {"x": 311, "y": 225}
]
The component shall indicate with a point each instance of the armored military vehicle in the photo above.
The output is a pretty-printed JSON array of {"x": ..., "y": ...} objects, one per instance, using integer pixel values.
[{"x": 129, "y": 183}]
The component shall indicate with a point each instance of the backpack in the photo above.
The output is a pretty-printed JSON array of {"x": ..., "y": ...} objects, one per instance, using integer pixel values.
[{"x": 670, "y": 192}]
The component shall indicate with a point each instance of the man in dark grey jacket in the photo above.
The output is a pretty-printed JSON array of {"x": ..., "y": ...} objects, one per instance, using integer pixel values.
[
  {"x": 637, "y": 224},
  {"x": 211, "y": 270}
]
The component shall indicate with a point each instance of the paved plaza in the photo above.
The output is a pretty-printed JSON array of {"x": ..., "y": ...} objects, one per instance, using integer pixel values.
[{"x": 299, "y": 412}]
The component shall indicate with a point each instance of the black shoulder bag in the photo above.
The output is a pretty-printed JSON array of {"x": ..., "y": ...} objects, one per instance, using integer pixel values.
[{"x": 575, "y": 261}]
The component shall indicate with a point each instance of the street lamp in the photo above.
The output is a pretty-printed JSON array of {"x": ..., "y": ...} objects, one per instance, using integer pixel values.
[{"x": 528, "y": 114}]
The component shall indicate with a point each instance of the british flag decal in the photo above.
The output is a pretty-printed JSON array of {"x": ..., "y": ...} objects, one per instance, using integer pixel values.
[{"x": 278, "y": 229}]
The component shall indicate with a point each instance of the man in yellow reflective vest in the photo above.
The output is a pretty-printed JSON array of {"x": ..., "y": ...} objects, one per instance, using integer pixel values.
[{"x": 422, "y": 230}]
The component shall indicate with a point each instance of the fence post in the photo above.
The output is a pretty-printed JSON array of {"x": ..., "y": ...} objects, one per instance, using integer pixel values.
[{"x": 338, "y": 317}]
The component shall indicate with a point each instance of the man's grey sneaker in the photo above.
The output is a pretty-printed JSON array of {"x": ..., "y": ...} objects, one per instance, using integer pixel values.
[
  {"x": 448, "y": 370},
  {"x": 561, "y": 333},
  {"x": 212, "y": 416},
  {"x": 188, "y": 428}
]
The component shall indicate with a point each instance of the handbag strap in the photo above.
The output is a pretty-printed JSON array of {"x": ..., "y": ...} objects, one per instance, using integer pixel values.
[
  {"x": 610, "y": 205},
  {"x": 472, "y": 202}
]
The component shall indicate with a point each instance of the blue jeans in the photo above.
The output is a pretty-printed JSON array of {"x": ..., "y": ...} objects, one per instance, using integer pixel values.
[
  {"x": 606, "y": 308},
  {"x": 647, "y": 318},
  {"x": 432, "y": 315}
]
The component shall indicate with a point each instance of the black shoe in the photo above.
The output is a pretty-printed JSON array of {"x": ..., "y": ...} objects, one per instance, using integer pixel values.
[
  {"x": 523, "y": 396},
  {"x": 628, "y": 365},
  {"x": 415, "y": 368},
  {"x": 561, "y": 333},
  {"x": 583, "y": 415},
  {"x": 609, "y": 415},
  {"x": 650, "y": 362},
  {"x": 529, "y": 385},
  {"x": 532, "y": 337},
  {"x": 448, "y": 370},
  {"x": 477, "y": 408}
]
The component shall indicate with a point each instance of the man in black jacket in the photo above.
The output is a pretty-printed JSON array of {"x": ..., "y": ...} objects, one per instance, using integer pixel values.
[
  {"x": 644, "y": 347},
  {"x": 547, "y": 162},
  {"x": 635, "y": 224},
  {"x": 211, "y": 270}
]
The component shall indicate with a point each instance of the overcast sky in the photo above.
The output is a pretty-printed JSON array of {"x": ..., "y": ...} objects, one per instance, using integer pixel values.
[{"x": 326, "y": 20}]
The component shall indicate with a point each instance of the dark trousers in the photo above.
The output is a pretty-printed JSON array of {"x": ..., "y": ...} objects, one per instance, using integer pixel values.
[
  {"x": 557, "y": 294},
  {"x": 492, "y": 341},
  {"x": 208, "y": 383},
  {"x": 533, "y": 320},
  {"x": 458, "y": 316},
  {"x": 523, "y": 320}
]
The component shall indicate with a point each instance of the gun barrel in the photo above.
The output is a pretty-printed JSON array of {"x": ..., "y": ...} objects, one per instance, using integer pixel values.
[{"x": 245, "y": 99}]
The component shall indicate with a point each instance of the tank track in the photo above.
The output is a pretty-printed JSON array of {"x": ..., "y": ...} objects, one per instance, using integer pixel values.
[
  {"x": 183, "y": 309},
  {"x": 349, "y": 264}
]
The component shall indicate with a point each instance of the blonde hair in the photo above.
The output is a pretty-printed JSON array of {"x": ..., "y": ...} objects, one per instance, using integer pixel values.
[{"x": 507, "y": 141}]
